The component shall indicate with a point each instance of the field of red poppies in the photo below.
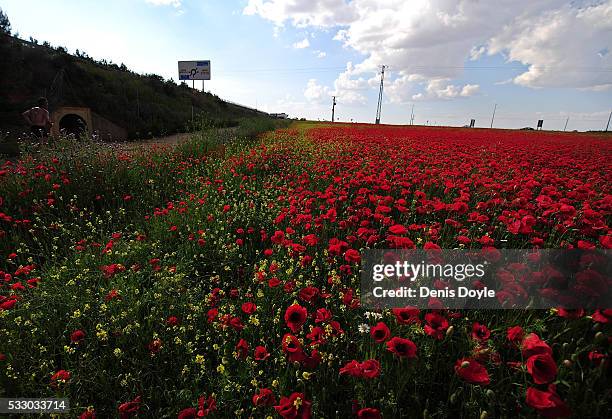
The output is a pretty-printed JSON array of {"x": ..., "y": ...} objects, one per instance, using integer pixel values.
[{"x": 208, "y": 281}]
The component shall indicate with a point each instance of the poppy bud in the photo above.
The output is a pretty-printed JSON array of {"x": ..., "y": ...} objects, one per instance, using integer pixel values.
[
  {"x": 490, "y": 394},
  {"x": 449, "y": 331},
  {"x": 484, "y": 414},
  {"x": 600, "y": 337},
  {"x": 567, "y": 363}
]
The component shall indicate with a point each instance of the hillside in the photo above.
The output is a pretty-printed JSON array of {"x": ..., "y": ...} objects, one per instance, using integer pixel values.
[{"x": 146, "y": 105}]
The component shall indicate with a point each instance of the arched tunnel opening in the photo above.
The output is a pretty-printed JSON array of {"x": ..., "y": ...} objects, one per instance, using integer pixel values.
[{"x": 72, "y": 124}]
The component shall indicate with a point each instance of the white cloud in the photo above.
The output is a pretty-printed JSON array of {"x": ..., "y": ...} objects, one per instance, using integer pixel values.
[
  {"x": 304, "y": 43},
  {"x": 316, "y": 93},
  {"x": 302, "y": 13},
  {"x": 561, "y": 47},
  {"x": 442, "y": 89},
  {"x": 477, "y": 52},
  {"x": 320, "y": 54},
  {"x": 174, "y": 3},
  {"x": 350, "y": 89},
  {"x": 561, "y": 43}
]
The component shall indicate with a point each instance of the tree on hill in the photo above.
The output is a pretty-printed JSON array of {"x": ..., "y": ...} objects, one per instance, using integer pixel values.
[{"x": 5, "y": 24}]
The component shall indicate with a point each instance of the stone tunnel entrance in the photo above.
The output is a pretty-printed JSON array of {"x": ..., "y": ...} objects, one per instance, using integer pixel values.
[
  {"x": 73, "y": 124},
  {"x": 80, "y": 120},
  {"x": 71, "y": 120}
]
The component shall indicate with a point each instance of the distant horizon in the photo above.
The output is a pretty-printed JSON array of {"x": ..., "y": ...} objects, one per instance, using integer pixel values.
[{"x": 288, "y": 58}]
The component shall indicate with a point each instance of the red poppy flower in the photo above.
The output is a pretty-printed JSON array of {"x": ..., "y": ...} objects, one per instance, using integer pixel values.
[
  {"x": 90, "y": 413},
  {"x": 212, "y": 315},
  {"x": 236, "y": 323},
  {"x": 189, "y": 413},
  {"x": 402, "y": 347},
  {"x": 570, "y": 314},
  {"x": 249, "y": 308},
  {"x": 308, "y": 294},
  {"x": 60, "y": 377},
  {"x": 265, "y": 397},
  {"x": 261, "y": 353},
  {"x": 242, "y": 348},
  {"x": 515, "y": 334},
  {"x": 129, "y": 409},
  {"x": 293, "y": 348},
  {"x": 352, "y": 256},
  {"x": 154, "y": 346},
  {"x": 369, "y": 413},
  {"x": 295, "y": 317},
  {"x": 547, "y": 403},
  {"x": 533, "y": 345},
  {"x": 407, "y": 315},
  {"x": 322, "y": 315},
  {"x": 603, "y": 316},
  {"x": 294, "y": 407},
  {"x": 77, "y": 336},
  {"x": 542, "y": 368},
  {"x": 480, "y": 332},
  {"x": 398, "y": 229},
  {"x": 597, "y": 358},
  {"x": 472, "y": 371},
  {"x": 436, "y": 325},
  {"x": 8, "y": 304},
  {"x": 317, "y": 336},
  {"x": 370, "y": 368},
  {"x": 353, "y": 368},
  {"x": 206, "y": 405},
  {"x": 380, "y": 332},
  {"x": 277, "y": 237},
  {"x": 310, "y": 240}
]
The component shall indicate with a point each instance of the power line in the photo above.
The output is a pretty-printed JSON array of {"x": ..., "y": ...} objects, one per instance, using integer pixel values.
[{"x": 426, "y": 67}]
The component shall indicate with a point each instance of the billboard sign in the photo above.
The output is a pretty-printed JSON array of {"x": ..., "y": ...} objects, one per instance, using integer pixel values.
[{"x": 194, "y": 70}]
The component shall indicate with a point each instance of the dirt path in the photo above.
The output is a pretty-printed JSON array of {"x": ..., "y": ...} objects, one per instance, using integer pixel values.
[{"x": 170, "y": 140}]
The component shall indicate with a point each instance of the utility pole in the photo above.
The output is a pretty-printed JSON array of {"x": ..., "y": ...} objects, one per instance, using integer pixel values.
[
  {"x": 493, "y": 117},
  {"x": 380, "y": 94},
  {"x": 412, "y": 115},
  {"x": 566, "y": 121},
  {"x": 608, "y": 124},
  {"x": 333, "y": 107}
]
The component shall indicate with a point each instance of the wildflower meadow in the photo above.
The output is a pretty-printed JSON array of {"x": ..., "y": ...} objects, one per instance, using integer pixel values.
[{"x": 221, "y": 279}]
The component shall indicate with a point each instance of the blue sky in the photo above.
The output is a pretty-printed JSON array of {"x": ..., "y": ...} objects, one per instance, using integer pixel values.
[{"x": 452, "y": 60}]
